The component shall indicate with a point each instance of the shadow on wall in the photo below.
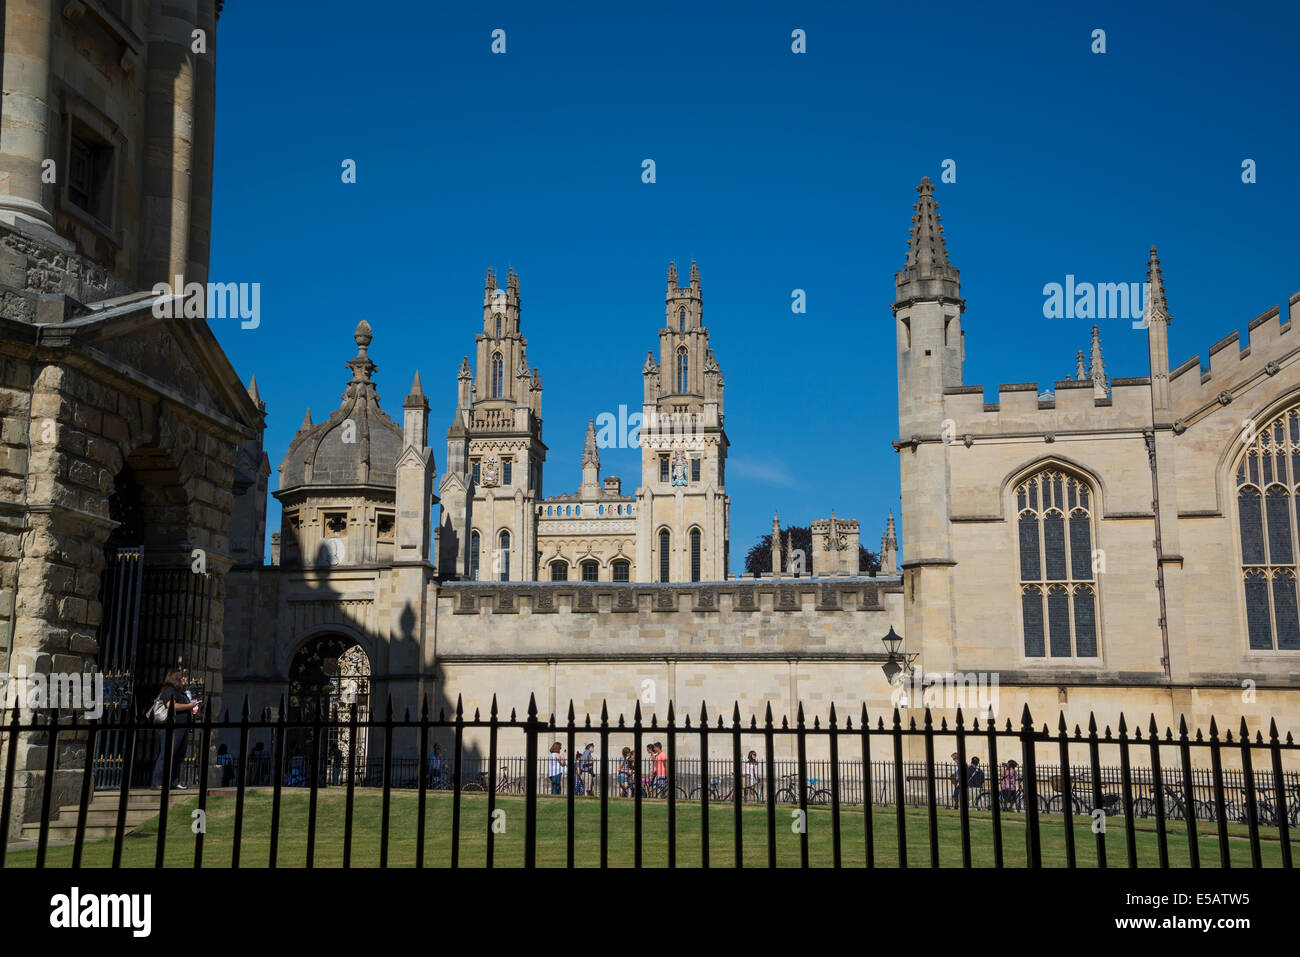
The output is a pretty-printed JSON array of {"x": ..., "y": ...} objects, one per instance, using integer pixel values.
[{"x": 336, "y": 674}]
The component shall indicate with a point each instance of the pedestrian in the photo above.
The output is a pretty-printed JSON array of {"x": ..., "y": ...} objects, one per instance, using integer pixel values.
[
  {"x": 555, "y": 766},
  {"x": 751, "y": 775},
  {"x": 956, "y": 777},
  {"x": 587, "y": 768},
  {"x": 227, "y": 765},
  {"x": 650, "y": 761},
  {"x": 1010, "y": 784},
  {"x": 625, "y": 772},
  {"x": 172, "y": 700},
  {"x": 436, "y": 765},
  {"x": 661, "y": 770},
  {"x": 975, "y": 775},
  {"x": 257, "y": 762}
]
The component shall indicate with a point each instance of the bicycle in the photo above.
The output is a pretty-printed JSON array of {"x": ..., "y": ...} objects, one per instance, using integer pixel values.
[
  {"x": 650, "y": 789},
  {"x": 789, "y": 794},
  {"x": 749, "y": 793},
  {"x": 1175, "y": 807}
]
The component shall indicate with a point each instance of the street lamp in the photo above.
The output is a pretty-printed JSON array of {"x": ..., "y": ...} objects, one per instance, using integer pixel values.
[{"x": 896, "y": 664}]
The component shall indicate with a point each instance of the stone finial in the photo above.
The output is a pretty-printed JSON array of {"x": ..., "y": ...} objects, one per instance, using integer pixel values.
[
  {"x": 254, "y": 394},
  {"x": 512, "y": 280},
  {"x": 672, "y": 273},
  {"x": 889, "y": 548},
  {"x": 1080, "y": 368},
  {"x": 590, "y": 455},
  {"x": 695, "y": 274},
  {"x": 776, "y": 544},
  {"x": 490, "y": 284},
  {"x": 1157, "y": 306},
  {"x": 306, "y": 422},
  {"x": 1097, "y": 368},
  {"x": 465, "y": 372},
  {"x": 361, "y": 366}
]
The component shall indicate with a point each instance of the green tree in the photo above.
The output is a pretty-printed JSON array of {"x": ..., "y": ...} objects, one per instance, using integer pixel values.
[{"x": 758, "y": 560}]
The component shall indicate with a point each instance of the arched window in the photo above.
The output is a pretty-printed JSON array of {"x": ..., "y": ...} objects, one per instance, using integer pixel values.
[
  {"x": 683, "y": 369},
  {"x": 619, "y": 571},
  {"x": 681, "y": 320},
  {"x": 665, "y": 554},
  {"x": 695, "y": 554},
  {"x": 1058, "y": 587},
  {"x": 1267, "y": 478},
  {"x": 498, "y": 378},
  {"x": 504, "y": 573},
  {"x": 498, "y": 325},
  {"x": 559, "y": 571},
  {"x": 473, "y": 556},
  {"x": 590, "y": 571}
]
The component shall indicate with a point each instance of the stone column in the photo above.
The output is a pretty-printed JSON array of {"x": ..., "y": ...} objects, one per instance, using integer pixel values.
[
  {"x": 205, "y": 100},
  {"x": 25, "y": 118},
  {"x": 169, "y": 144}
]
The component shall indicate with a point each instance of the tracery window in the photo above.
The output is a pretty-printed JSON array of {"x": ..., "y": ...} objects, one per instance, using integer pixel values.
[
  {"x": 695, "y": 554},
  {"x": 683, "y": 368},
  {"x": 473, "y": 556},
  {"x": 498, "y": 376},
  {"x": 1058, "y": 586},
  {"x": 681, "y": 320},
  {"x": 504, "y": 573},
  {"x": 1267, "y": 479},
  {"x": 665, "y": 554}
]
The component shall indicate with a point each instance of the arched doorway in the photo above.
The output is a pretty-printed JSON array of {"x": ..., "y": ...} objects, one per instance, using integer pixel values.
[
  {"x": 328, "y": 677},
  {"x": 156, "y": 609}
]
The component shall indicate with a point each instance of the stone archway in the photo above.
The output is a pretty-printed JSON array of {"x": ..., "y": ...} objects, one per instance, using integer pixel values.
[
  {"x": 329, "y": 675},
  {"x": 155, "y": 609}
]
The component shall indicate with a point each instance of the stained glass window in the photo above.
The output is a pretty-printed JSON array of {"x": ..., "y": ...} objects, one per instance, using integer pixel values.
[
  {"x": 1267, "y": 478},
  {"x": 1058, "y": 586}
]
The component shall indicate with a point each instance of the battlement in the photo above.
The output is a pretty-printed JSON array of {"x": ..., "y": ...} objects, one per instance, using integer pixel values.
[
  {"x": 1232, "y": 365},
  {"x": 1075, "y": 406}
]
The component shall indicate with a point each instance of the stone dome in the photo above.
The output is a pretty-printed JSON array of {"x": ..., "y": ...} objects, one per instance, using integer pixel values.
[{"x": 357, "y": 445}]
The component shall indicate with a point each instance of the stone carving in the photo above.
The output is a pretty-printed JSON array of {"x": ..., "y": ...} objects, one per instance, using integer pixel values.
[
  {"x": 679, "y": 468},
  {"x": 490, "y": 469}
]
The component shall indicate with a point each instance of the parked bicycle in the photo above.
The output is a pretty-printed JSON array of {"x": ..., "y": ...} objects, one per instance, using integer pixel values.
[
  {"x": 789, "y": 793},
  {"x": 749, "y": 793}
]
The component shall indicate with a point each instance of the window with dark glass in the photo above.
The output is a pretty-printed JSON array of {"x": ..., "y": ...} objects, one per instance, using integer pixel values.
[
  {"x": 473, "y": 556},
  {"x": 90, "y": 164},
  {"x": 665, "y": 555},
  {"x": 498, "y": 376},
  {"x": 1266, "y": 479},
  {"x": 695, "y": 554},
  {"x": 695, "y": 470},
  {"x": 503, "y": 558},
  {"x": 506, "y": 471},
  {"x": 473, "y": 472},
  {"x": 663, "y": 468},
  {"x": 590, "y": 571},
  {"x": 681, "y": 320},
  {"x": 620, "y": 571},
  {"x": 559, "y": 571},
  {"x": 1058, "y": 587},
  {"x": 683, "y": 370}
]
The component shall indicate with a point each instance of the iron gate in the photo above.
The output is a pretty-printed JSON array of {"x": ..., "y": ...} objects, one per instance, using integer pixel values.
[{"x": 153, "y": 620}]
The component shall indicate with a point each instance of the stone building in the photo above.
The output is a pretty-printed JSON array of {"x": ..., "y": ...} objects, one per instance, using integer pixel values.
[
  {"x": 1124, "y": 544},
  {"x": 126, "y": 435}
]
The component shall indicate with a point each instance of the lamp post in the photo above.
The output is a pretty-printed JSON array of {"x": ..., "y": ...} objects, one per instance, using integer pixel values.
[{"x": 896, "y": 664}]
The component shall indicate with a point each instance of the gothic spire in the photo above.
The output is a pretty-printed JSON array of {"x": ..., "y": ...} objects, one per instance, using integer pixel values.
[
  {"x": 1080, "y": 368},
  {"x": 1096, "y": 368},
  {"x": 490, "y": 284},
  {"x": 1156, "y": 305},
  {"x": 306, "y": 422},
  {"x": 925, "y": 243},
  {"x": 672, "y": 273},
  {"x": 695, "y": 274},
  {"x": 590, "y": 456},
  {"x": 927, "y": 274},
  {"x": 254, "y": 394}
]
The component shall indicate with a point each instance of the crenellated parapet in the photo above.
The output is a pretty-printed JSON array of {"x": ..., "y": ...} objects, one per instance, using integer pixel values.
[{"x": 1234, "y": 369}]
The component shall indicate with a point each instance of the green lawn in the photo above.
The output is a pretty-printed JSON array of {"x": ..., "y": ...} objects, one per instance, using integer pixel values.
[{"x": 139, "y": 847}]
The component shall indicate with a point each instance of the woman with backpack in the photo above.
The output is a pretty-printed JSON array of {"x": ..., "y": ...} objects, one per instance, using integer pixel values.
[{"x": 175, "y": 701}]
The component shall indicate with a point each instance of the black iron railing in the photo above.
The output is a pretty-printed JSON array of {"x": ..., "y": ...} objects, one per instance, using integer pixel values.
[{"x": 1178, "y": 781}]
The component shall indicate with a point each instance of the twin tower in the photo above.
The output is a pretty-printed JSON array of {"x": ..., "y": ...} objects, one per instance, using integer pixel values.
[{"x": 498, "y": 525}]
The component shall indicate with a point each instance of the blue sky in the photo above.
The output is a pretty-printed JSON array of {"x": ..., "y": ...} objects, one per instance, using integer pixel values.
[{"x": 775, "y": 171}]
